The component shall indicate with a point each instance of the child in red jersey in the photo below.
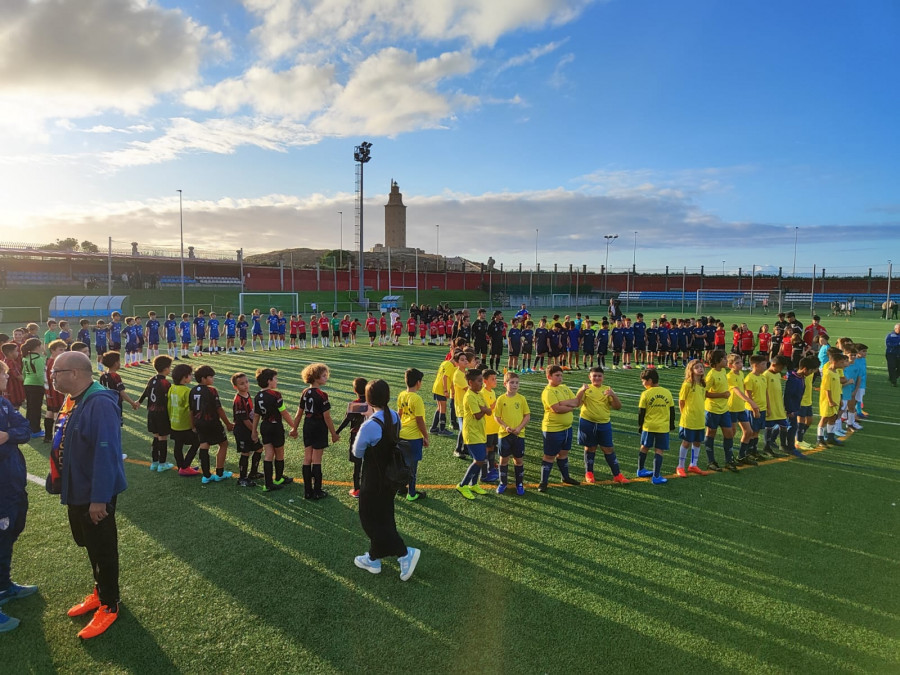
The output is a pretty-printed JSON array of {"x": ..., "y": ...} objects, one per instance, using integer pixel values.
[
  {"x": 764, "y": 338},
  {"x": 410, "y": 330},
  {"x": 397, "y": 329},
  {"x": 15, "y": 387}
]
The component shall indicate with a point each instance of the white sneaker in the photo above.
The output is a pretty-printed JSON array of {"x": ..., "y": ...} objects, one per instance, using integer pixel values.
[
  {"x": 364, "y": 562},
  {"x": 856, "y": 426},
  {"x": 408, "y": 563}
]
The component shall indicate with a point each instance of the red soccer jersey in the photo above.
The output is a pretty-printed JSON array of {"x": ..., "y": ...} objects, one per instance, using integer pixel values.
[
  {"x": 15, "y": 387},
  {"x": 765, "y": 339},
  {"x": 398, "y": 327},
  {"x": 371, "y": 324},
  {"x": 411, "y": 325},
  {"x": 735, "y": 338},
  {"x": 433, "y": 330},
  {"x": 787, "y": 348},
  {"x": 449, "y": 329},
  {"x": 746, "y": 341},
  {"x": 345, "y": 326},
  {"x": 354, "y": 325},
  {"x": 295, "y": 327},
  {"x": 314, "y": 326},
  {"x": 422, "y": 329},
  {"x": 720, "y": 337},
  {"x": 54, "y": 398},
  {"x": 323, "y": 324},
  {"x": 440, "y": 327},
  {"x": 301, "y": 326},
  {"x": 382, "y": 324}
]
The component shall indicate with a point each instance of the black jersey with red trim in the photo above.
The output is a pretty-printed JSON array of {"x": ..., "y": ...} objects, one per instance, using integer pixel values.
[
  {"x": 268, "y": 404},
  {"x": 156, "y": 393},
  {"x": 204, "y": 404},
  {"x": 314, "y": 403},
  {"x": 242, "y": 409}
]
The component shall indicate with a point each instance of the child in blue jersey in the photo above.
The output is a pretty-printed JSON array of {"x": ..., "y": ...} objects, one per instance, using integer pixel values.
[
  {"x": 101, "y": 342},
  {"x": 588, "y": 342},
  {"x": 151, "y": 334},
  {"x": 640, "y": 340},
  {"x": 602, "y": 343},
  {"x": 242, "y": 327},
  {"x": 527, "y": 346},
  {"x": 652, "y": 344},
  {"x": 64, "y": 333},
  {"x": 618, "y": 342},
  {"x": 282, "y": 329},
  {"x": 199, "y": 331},
  {"x": 272, "y": 321},
  {"x": 628, "y": 344},
  {"x": 794, "y": 391},
  {"x": 213, "y": 325},
  {"x": 698, "y": 339},
  {"x": 230, "y": 332},
  {"x": 541, "y": 344},
  {"x": 132, "y": 346},
  {"x": 185, "y": 328},
  {"x": 84, "y": 334},
  {"x": 514, "y": 338},
  {"x": 663, "y": 337},
  {"x": 171, "y": 326},
  {"x": 256, "y": 331},
  {"x": 115, "y": 332},
  {"x": 862, "y": 353},
  {"x": 574, "y": 360}
]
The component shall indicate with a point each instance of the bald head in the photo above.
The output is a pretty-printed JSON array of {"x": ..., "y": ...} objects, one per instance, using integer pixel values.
[{"x": 72, "y": 373}]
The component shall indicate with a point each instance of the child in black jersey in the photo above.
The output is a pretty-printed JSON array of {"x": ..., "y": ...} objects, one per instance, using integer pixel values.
[
  {"x": 315, "y": 405},
  {"x": 207, "y": 417},
  {"x": 357, "y": 412},
  {"x": 242, "y": 410},
  {"x": 156, "y": 393},
  {"x": 269, "y": 412}
]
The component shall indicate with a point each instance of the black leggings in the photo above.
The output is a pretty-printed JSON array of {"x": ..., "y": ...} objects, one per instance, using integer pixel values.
[{"x": 34, "y": 402}]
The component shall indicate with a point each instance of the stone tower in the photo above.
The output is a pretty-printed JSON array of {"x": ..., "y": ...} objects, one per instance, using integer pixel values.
[{"x": 395, "y": 219}]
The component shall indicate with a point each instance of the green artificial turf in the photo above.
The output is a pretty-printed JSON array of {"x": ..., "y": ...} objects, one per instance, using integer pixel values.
[{"x": 789, "y": 566}]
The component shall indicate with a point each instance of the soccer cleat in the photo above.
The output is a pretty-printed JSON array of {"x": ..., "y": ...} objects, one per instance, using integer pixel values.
[
  {"x": 731, "y": 466},
  {"x": 255, "y": 475},
  {"x": 693, "y": 468},
  {"x": 659, "y": 480},
  {"x": 408, "y": 563},
  {"x": 284, "y": 480},
  {"x": 353, "y": 493},
  {"x": 747, "y": 461},
  {"x": 154, "y": 466},
  {"x": 680, "y": 472},
  {"x": 225, "y": 476},
  {"x": 246, "y": 482},
  {"x": 620, "y": 479},
  {"x": 89, "y": 604},
  {"x": 520, "y": 489},
  {"x": 568, "y": 480},
  {"x": 492, "y": 476},
  {"x": 364, "y": 562},
  {"x": 7, "y": 623},
  {"x": 165, "y": 466},
  {"x": 465, "y": 491},
  {"x": 271, "y": 488},
  {"x": 188, "y": 471},
  {"x": 37, "y": 434},
  {"x": 460, "y": 455},
  {"x": 16, "y": 591},
  {"x": 477, "y": 489},
  {"x": 542, "y": 487},
  {"x": 713, "y": 466},
  {"x": 319, "y": 494},
  {"x": 501, "y": 488},
  {"x": 644, "y": 473},
  {"x": 103, "y": 618},
  {"x": 834, "y": 441},
  {"x": 206, "y": 480},
  {"x": 419, "y": 494},
  {"x": 589, "y": 477},
  {"x": 863, "y": 415}
]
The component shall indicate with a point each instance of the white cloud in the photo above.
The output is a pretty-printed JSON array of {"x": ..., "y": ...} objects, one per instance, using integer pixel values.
[
  {"x": 558, "y": 79},
  {"x": 289, "y": 23},
  {"x": 222, "y": 136},
  {"x": 532, "y": 54}
]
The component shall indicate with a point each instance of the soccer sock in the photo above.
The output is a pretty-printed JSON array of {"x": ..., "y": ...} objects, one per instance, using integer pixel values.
[
  {"x": 267, "y": 472},
  {"x": 742, "y": 451},
  {"x": 682, "y": 455},
  {"x": 642, "y": 460},
  {"x": 307, "y": 480},
  {"x": 154, "y": 452},
  {"x": 243, "y": 461},
  {"x": 435, "y": 420},
  {"x": 851, "y": 418},
  {"x": 782, "y": 436},
  {"x": 179, "y": 455},
  {"x": 443, "y": 422},
  {"x": 254, "y": 463},
  {"x": 459, "y": 440},
  {"x": 589, "y": 460},
  {"x": 504, "y": 474},
  {"x": 829, "y": 429},
  {"x": 754, "y": 446},
  {"x": 519, "y": 473},
  {"x": 613, "y": 463},
  {"x": 657, "y": 465},
  {"x": 492, "y": 459},
  {"x": 204, "y": 462},
  {"x": 357, "y": 469},
  {"x": 317, "y": 477},
  {"x": 471, "y": 475},
  {"x": 220, "y": 471},
  {"x": 801, "y": 431},
  {"x": 727, "y": 445},
  {"x": 279, "y": 469},
  {"x": 820, "y": 431},
  {"x": 695, "y": 453},
  {"x": 563, "y": 465},
  {"x": 792, "y": 438},
  {"x": 545, "y": 471},
  {"x": 710, "y": 448}
]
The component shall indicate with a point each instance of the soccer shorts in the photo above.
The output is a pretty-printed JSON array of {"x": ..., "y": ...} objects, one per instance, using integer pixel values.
[
  {"x": 771, "y": 424},
  {"x": 717, "y": 420},
  {"x": 315, "y": 434},
  {"x": 439, "y": 397},
  {"x": 629, "y": 349},
  {"x": 515, "y": 350},
  {"x": 652, "y": 347},
  {"x": 758, "y": 423},
  {"x": 859, "y": 394},
  {"x": 496, "y": 349},
  {"x": 512, "y": 445},
  {"x": 589, "y": 351},
  {"x": 324, "y": 333},
  {"x": 826, "y": 410},
  {"x": 805, "y": 411},
  {"x": 211, "y": 434},
  {"x": 345, "y": 336},
  {"x": 557, "y": 441},
  {"x": 492, "y": 440},
  {"x": 617, "y": 349},
  {"x": 272, "y": 434},
  {"x": 739, "y": 416},
  {"x": 246, "y": 445},
  {"x": 691, "y": 435},
  {"x": 481, "y": 346},
  {"x": 410, "y": 333},
  {"x": 301, "y": 336},
  {"x": 640, "y": 346},
  {"x": 158, "y": 423},
  {"x": 592, "y": 434},
  {"x": 371, "y": 335},
  {"x": 115, "y": 346},
  {"x": 153, "y": 344},
  {"x": 293, "y": 336},
  {"x": 655, "y": 439},
  {"x": 478, "y": 451}
]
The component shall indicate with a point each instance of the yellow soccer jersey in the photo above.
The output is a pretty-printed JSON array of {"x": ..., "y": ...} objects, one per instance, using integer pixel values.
[
  {"x": 556, "y": 421},
  {"x": 595, "y": 406},
  {"x": 776, "y": 396},
  {"x": 735, "y": 382},
  {"x": 717, "y": 383},
  {"x": 831, "y": 381},
  {"x": 410, "y": 406},
  {"x": 445, "y": 369},
  {"x": 473, "y": 429},
  {"x": 490, "y": 422},
  {"x": 512, "y": 410},
  {"x": 460, "y": 386},
  {"x": 179, "y": 412},
  {"x": 657, "y": 401},
  {"x": 755, "y": 386},
  {"x": 694, "y": 414},
  {"x": 806, "y": 399}
]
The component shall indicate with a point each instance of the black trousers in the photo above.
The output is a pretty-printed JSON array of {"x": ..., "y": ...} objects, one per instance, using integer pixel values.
[
  {"x": 102, "y": 544},
  {"x": 34, "y": 403},
  {"x": 893, "y": 364},
  {"x": 15, "y": 511},
  {"x": 376, "y": 513}
]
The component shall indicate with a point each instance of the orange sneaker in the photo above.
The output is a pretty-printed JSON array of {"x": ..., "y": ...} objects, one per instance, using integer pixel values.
[
  {"x": 620, "y": 479},
  {"x": 588, "y": 476},
  {"x": 103, "y": 619},
  {"x": 697, "y": 470},
  {"x": 680, "y": 472},
  {"x": 89, "y": 604}
]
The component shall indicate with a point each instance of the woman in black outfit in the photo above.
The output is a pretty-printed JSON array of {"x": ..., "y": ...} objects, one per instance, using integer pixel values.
[{"x": 375, "y": 445}]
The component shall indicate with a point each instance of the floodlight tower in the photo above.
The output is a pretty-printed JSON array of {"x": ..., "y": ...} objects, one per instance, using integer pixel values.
[
  {"x": 361, "y": 157},
  {"x": 609, "y": 238}
]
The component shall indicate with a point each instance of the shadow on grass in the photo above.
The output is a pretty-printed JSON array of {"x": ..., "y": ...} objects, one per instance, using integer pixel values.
[{"x": 142, "y": 654}]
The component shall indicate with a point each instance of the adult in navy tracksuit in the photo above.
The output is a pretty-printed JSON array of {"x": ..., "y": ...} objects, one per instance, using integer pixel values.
[
  {"x": 14, "y": 429},
  {"x": 92, "y": 476},
  {"x": 892, "y": 354}
]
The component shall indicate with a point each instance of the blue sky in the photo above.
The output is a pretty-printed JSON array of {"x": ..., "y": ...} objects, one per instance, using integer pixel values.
[{"x": 713, "y": 129}]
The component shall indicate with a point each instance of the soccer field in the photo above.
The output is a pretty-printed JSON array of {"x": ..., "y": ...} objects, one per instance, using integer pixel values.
[{"x": 789, "y": 566}]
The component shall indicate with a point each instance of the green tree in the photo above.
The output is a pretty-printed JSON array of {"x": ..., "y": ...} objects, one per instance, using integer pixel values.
[{"x": 89, "y": 247}]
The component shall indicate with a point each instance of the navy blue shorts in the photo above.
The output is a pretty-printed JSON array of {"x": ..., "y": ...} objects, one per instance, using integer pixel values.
[
  {"x": 716, "y": 420},
  {"x": 592, "y": 434},
  {"x": 758, "y": 423},
  {"x": 492, "y": 440},
  {"x": 512, "y": 445},
  {"x": 771, "y": 424},
  {"x": 640, "y": 346},
  {"x": 740, "y": 416},
  {"x": 655, "y": 439},
  {"x": 556, "y": 441},
  {"x": 805, "y": 411},
  {"x": 478, "y": 451},
  {"x": 691, "y": 435},
  {"x": 439, "y": 397}
]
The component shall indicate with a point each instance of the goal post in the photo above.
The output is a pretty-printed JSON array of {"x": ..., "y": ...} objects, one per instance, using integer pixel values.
[
  {"x": 719, "y": 298},
  {"x": 285, "y": 302}
]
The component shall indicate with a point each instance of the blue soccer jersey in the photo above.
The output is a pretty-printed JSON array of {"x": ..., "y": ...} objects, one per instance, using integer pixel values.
[
  {"x": 527, "y": 340},
  {"x": 242, "y": 329},
  {"x": 628, "y": 336},
  {"x": 84, "y": 335},
  {"x": 171, "y": 330},
  {"x": 213, "y": 329},
  {"x": 185, "y": 327},
  {"x": 542, "y": 340},
  {"x": 640, "y": 333},
  {"x": 652, "y": 339},
  {"x": 515, "y": 340},
  {"x": 257, "y": 325},
  {"x": 618, "y": 337},
  {"x": 273, "y": 323},
  {"x": 153, "y": 331},
  {"x": 588, "y": 338},
  {"x": 101, "y": 335},
  {"x": 115, "y": 333},
  {"x": 603, "y": 341},
  {"x": 230, "y": 325},
  {"x": 200, "y": 327},
  {"x": 281, "y": 325}
]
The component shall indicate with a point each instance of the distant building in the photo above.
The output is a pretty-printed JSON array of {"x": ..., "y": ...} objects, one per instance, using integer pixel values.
[{"x": 395, "y": 219}]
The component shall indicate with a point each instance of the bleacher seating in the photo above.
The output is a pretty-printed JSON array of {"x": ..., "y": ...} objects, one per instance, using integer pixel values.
[
  {"x": 175, "y": 281},
  {"x": 219, "y": 281},
  {"x": 39, "y": 278}
]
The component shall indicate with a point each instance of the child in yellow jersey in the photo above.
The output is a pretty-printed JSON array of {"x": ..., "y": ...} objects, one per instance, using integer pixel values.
[
  {"x": 805, "y": 413},
  {"x": 474, "y": 411},
  {"x": 737, "y": 406},
  {"x": 458, "y": 390},
  {"x": 755, "y": 386},
  {"x": 180, "y": 418},
  {"x": 489, "y": 470},
  {"x": 776, "y": 417},
  {"x": 559, "y": 402},
  {"x": 411, "y": 409},
  {"x": 441, "y": 392},
  {"x": 691, "y": 404},
  {"x": 512, "y": 414},
  {"x": 718, "y": 393},
  {"x": 595, "y": 428},
  {"x": 656, "y": 418},
  {"x": 830, "y": 398}
]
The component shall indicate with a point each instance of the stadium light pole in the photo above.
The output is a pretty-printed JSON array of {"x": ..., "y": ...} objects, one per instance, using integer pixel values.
[
  {"x": 361, "y": 154},
  {"x": 723, "y": 268},
  {"x": 887, "y": 312},
  {"x": 609, "y": 238},
  {"x": 341, "y": 249},
  {"x": 794, "y": 268},
  {"x": 437, "y": 239},
  {"x": 181, "y": 232},
  {"x": 634, "y": 254}
]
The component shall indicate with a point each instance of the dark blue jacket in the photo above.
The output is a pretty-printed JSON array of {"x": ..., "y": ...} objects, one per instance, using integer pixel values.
[
  {"x": 12, "y": 462},
  {"x": 92, "y": 470},
  {"x": 793, "y": 392},
  {"x": 892, "y": 344}
]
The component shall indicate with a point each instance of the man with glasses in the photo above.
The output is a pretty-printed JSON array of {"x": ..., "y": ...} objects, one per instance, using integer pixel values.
[{"x": 89, "y": 442}]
